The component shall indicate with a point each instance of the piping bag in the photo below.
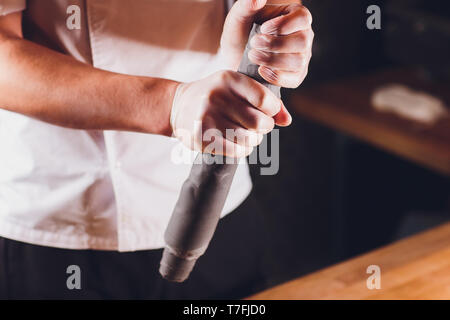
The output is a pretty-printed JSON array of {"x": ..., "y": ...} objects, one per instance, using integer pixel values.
[{"x": 201, "y": 200}]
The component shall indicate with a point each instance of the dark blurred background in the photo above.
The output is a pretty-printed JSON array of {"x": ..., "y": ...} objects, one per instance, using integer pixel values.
[{"x": 336, "y": 196}]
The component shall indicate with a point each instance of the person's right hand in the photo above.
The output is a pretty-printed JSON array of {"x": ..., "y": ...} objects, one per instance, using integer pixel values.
[{"x": 226, "y": 113}]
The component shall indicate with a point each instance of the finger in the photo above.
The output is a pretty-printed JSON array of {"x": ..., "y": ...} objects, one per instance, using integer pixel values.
[
  {"x": 238, "y": 23},
  {"x": 285, "y": 79},
  {"x": 217, "y": 144},
  {"x": 239, "y": 135},
  {"x": 248, "y": 117},
  {"x": 283, "y": 61},
  {"x": 254, "y": 93},
  {"x": 244, "y": 11},
  {"x": 283, "y": 118},
  {"x": 299, "y": 41},
  {"x": 295, "y": 18}
]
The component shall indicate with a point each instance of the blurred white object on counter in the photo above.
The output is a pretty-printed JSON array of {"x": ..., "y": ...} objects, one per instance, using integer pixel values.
[{"x": 407, "y": 103}]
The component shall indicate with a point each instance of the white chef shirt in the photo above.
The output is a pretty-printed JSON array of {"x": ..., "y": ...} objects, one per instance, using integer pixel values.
[{"x": 106, "y": 190}]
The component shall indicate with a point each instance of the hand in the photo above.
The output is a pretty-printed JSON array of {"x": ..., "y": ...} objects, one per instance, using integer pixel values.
[
  {"x": 283, "y": 49},
  {"x": 225, "y": 113}
]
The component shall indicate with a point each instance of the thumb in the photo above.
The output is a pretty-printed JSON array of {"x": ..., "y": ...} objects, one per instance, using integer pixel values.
[
  {"x": 238, "y": 24},
  {"x": 246, "y": 9}
]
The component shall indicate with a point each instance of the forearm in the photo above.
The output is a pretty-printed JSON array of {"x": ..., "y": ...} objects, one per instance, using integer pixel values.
[{"x": 41, "y": 83}]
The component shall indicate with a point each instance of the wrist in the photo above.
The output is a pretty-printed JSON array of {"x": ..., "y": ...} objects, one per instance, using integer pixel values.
[
  {"x": 176, "y": 105},
  {"x": 154, "y": 105}
]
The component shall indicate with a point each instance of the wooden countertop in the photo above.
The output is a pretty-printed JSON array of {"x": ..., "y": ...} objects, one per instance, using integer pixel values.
[
  {"x": 345, "y": 106},
  {"x": 413, "y": 268}
]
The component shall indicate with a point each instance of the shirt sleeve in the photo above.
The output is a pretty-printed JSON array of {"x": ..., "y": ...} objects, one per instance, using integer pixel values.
[{"x": 10, "y": 6}]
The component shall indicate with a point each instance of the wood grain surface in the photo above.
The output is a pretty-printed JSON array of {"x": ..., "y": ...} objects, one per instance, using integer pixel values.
[{"x": 414, "y": 268}]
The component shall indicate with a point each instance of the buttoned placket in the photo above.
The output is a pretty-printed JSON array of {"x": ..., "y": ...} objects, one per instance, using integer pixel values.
[
  {"x": 113, "y": 163},
  {"x": 124, "y": 238}
]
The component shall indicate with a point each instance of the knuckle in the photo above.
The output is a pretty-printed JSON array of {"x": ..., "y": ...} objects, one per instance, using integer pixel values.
[
  {"x": 269, "y": 104},
  {"x": 302, "y": 40},
  {"x": 302, "y": 61},
  {"x": 255, "y": 95},
  {"x": 225, "y": 76},
  {"x": 268, "y": 58},
  {"x": 306, "y": 14},
  {"x": 273, "y": 43},
  {"x": 263, "y": 56},
  {"x": 296, "y": 6},
  {"x": 212, "y": 97},
  {"x": 297, "y": 61},
  {"x": 259, "y": 99},
  {"x": 254, "y": 121},
  {"x": 310, "y": 38},
  {"x": 265, "y": 102}
]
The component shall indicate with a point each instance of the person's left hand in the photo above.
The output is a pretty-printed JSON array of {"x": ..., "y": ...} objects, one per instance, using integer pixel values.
[{"x": 283, "y": 49}]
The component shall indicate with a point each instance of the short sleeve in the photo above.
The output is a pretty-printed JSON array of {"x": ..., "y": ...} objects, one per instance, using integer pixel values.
[{"x": 10, "y": 6}]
